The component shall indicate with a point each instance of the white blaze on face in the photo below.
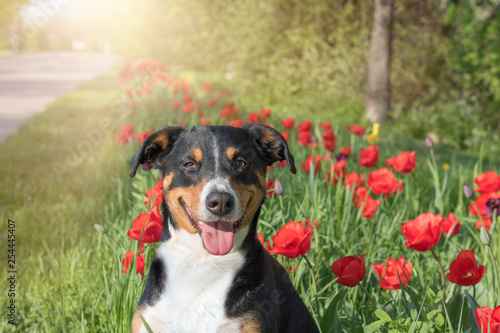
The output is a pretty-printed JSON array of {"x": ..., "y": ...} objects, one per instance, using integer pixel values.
[{"x": 217, "y": 233}]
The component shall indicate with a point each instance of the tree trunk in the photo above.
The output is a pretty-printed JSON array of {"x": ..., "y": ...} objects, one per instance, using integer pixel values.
[{"x": 379, "y": 63}]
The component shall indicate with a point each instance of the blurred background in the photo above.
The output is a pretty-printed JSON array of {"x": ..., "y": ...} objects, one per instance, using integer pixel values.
[{"x": 298, "y": 56}]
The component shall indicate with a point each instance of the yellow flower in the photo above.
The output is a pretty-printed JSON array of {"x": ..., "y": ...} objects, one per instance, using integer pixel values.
[
  {"x": 376, "y": 129},
  {"x": 372, "y": 138},
  {"x": 446, "y": 166}
]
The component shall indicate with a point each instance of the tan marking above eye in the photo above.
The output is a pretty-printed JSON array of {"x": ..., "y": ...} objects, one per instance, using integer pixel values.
[
  {"x": 231, "y": 153},
  {"x": 197, "y": 155}
]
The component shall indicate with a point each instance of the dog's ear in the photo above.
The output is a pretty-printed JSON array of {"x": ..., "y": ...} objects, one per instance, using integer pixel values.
[
  {"x": 156, "y": 143},
  {"x": 270, "y": 144}
]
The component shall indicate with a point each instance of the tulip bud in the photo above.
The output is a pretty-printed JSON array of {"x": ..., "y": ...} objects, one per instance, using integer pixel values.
[
  {"x": 485, "y": 236},
  {"x": 278, "y": 187},
  {"x": 469, "y": 193},
  {"x": 429, "y": 143},
  {"x": 100, "y": 229},
  {"x": 492, "y": 207}
]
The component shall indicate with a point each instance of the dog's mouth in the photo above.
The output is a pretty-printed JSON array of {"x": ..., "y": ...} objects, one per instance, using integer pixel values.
[{"x": 217, "y": 236}]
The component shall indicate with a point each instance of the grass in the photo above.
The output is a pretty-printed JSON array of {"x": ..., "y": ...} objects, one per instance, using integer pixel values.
[{"x": 66, "y": 173}]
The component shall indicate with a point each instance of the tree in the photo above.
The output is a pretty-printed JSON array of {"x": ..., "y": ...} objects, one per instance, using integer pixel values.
[{"x": 379, "y": 63}]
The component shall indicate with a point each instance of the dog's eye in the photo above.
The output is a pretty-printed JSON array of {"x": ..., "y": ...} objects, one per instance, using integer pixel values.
[
  {"x": 190, "y": 165},
  {"x": 240, "y": 163}
]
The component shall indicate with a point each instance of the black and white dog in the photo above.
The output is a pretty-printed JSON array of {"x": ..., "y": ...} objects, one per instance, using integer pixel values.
[{"x": 211, "y": 273}]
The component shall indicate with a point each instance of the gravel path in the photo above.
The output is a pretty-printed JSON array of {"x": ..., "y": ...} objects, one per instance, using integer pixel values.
[{"x": 30, "y": 81}]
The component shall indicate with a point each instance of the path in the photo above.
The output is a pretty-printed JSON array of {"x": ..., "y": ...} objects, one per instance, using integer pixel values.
[{"x": 30, "y": 81}]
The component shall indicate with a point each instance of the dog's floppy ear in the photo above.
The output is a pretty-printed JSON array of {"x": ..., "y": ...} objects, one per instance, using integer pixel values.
[
  {"x": 270, "y": 144},
  {"x": 160, "y": 141}
]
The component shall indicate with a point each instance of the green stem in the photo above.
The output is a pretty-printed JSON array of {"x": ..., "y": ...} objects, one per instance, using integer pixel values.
[
  {"x": 496, "y": 270},
  {"x": 369, "y": 296},
  {"x": 440, "y": 270},
  {"x": 315, "y": 288}
]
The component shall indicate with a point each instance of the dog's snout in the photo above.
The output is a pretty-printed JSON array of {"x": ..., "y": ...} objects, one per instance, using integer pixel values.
[{"x": 220, "y": 203}]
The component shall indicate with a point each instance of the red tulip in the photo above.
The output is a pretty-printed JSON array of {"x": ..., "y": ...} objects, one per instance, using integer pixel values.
[
  {"x": 313, "y": 161},
  {"x": 452, "y": 224},
  {"x": 127, "y": 261},
  {"x": 236, "y": 123},
  {"x": 353, "y": 180},
  {"x": 325, "y": 126},
  {"x": 265, "y": 113},
  {"x": 359, "y": 196},
  {"x": 368, "y": 157},
  {"x": 288, "y": 122},
  {"x": 330, "y": 145},
  {"x": 371, "y": 206},
  {"x": 336, "y": 172},
  {"x": 270, "y": 188},
  {"x": 285, "y": 135},
  {"x": 329, "y": 135},
  {"x": 404, "y": 162},
  {"x": 157, "y": 190},
  {"x": 305, "y": 126},
  {"x": 126, "y": 135},
  {"x": 488, "y": 320},
  {"x": 142, "y": 136},
  {"x": 346, "y": 151},
  {"x": 423, "y": 233},
  {"x": 356, "y": 130},
  {"x": 211, "y": 103},
  {"x": 292, "y": 240},
  {"x": 149, "y": 224},
  {"x": 382, "y": 181},
  {"x": 481, "y": 202},
  {"x": 464, "y": 270},
  {"x": 393, "y": 273},
  {"x": 254, "y": 117},
  {"x": 206, "y": 85},
  {"x": 350, "y": 270},
  {"x": 305, "y": 138},
  {"x": 488, "y": 182},
  {"x": 204, "y": 121}
]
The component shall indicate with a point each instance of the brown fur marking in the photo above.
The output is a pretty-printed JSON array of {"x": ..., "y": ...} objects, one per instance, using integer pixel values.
[
  {"x": 249, "y": 324},
  {"x": 161, "y": 140},
  {"x": 197, "y": 155},
  {"x": 191, "y": 196},
  {"x": 136, "y": 320},
  {"x": 231, "y": 153},
  {"x": 167, "y": 180}
]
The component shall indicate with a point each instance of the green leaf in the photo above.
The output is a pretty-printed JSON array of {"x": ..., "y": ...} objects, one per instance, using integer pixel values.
[
  {"x": 373, "y": 327},
  {"x": 327, "y": 323},
  {"x": 382, "y": 315}
]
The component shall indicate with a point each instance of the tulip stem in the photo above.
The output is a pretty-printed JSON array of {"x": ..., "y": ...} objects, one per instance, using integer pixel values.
[
  {"x": 314, "y": 284},
  {"x": 369, "y": 296},
  {"x": 440, "y": 269},
  {"x": 474, "y": 291}
]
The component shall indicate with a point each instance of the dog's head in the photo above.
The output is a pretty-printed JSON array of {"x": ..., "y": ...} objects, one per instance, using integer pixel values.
[{"x": 213, "y": 176}]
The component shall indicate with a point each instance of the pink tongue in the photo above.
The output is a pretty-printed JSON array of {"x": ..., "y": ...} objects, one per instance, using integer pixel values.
[{"x": 217, "y": 237}]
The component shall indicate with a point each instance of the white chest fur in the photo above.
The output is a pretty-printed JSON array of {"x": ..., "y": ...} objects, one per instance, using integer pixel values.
[{"x": 197, "y": 285}]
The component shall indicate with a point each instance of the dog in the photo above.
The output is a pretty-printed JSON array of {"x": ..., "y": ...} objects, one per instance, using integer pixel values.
[{"x": 211, "y": 273}]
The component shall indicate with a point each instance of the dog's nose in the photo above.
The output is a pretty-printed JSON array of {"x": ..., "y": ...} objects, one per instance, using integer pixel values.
[{"x": 220, "y": 203}]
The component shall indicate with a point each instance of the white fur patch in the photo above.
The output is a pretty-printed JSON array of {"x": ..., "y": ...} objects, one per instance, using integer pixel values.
[
  {"x": 218, "y": 185},
  {"x": 197, "y": 285}
]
